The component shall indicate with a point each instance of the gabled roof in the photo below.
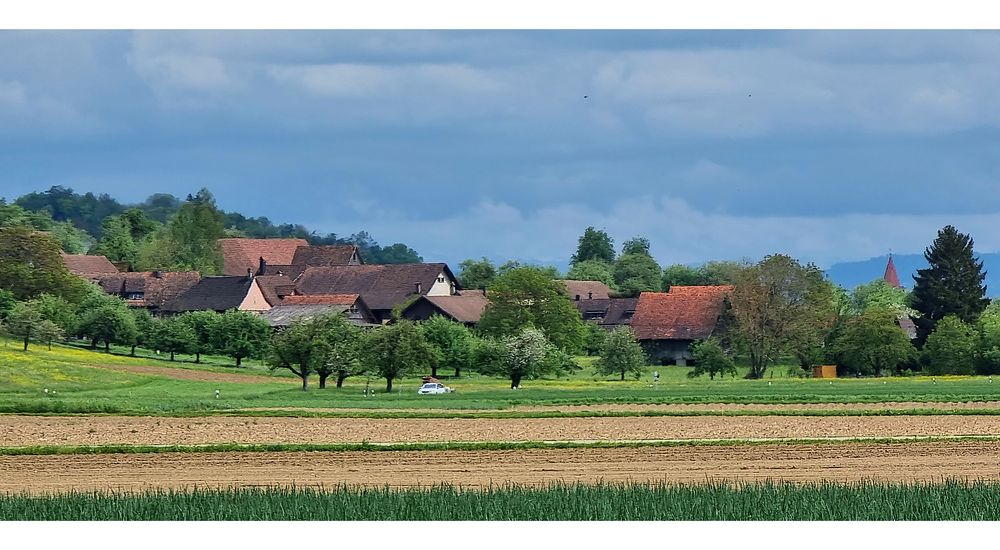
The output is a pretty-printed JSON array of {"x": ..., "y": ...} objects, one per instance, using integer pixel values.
[
  {"x": 239, "y": 255},
  {"x": 383, "y": 287},
  {"x": 890, "y": 275},
  {"x": 907, "y": 325},
  {"x": 465, "y": 307},
  {"x": 587, "y": 290},
  {"x": 275, "y": 287},
  {"x": 684, "y": 313},
  {"x": 325, "y": 256},
  {"x": 212, "y": 293},
  {"x": 612, "y": 311},
  {"x": 294, "y": 308},
  {"x": 157, "y": 287},
  {"x": 82, "y": 264}
]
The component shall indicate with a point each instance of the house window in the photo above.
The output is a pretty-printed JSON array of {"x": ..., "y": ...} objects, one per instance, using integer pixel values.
[
  {"x": 593, "y": 314},
  {"x": 628, "y": 314},
  {"x": 441, "y": 279},
  {"x": 134, "y": 296}
]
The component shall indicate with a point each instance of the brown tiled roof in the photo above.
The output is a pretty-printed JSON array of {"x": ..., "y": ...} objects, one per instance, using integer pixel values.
[
  {"x": 587, "y": 290},
  {"x": 157, "y": 287},
  {"x": 275, "y": 287},
  {"x": 612, "y": 311},
  {"x": 383, "y": 287},
  {"x": 890, "y": 275},
  {"x": 292, "y": 271},
  {"x": 212, "y": 293},
  {"x": 238, "y": 255},
  {"x": 906, "y": 323},
  {"x": 328, "y": 299},
  {"x": 82, "y": 264},
  {"x": 684, "y": 313},
  {"x": 326, "y": 256},
  {"x": 465, "y": 307}
]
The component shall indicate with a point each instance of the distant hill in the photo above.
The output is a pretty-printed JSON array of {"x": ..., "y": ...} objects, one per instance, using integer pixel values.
[{"x": 852, "y": 274}]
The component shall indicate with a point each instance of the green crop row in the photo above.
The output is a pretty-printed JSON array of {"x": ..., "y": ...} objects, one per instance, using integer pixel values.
[{"x": 767, "y": 501}]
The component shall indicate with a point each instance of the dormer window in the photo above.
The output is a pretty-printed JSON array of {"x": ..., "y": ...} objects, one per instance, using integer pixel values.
[
  {"x": 441, "y": 279},
  {"x": 134, "y": 296}
]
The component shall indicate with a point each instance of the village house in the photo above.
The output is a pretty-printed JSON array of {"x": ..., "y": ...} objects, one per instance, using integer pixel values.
[
  {"x": 608, "y": 313},
  {"x": 221, "y": 294},
  {"x": 270, "y": 256},
  {"x": 666, "y": 323},
  {"x": 301, "y": 308},
  {"x": 587, "y": 290},
  {"x": 465, "y": 306},
  {"x": 383, "y": 287},
  {"x": 86, "y": 266},
  {"x": 147, "y": 289}
]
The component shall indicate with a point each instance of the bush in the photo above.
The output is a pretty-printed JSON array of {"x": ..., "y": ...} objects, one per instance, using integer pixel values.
[
  {"x": 711, "y": 359},
  {"x": 951, "y": 348}
]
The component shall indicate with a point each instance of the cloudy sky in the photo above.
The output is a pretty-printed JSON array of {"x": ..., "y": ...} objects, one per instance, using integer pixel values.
[{"x": 829, "y": 146}]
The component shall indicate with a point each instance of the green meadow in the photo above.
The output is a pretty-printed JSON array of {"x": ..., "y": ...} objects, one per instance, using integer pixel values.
[{"x": 77, "y": 384}]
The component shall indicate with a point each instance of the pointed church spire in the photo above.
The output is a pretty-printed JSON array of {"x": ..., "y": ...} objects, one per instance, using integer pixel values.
[{"x": 890, "y": 274}]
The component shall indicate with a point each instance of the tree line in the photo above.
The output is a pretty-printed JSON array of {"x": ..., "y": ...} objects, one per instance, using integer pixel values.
[{"x": 164, "y": 231}]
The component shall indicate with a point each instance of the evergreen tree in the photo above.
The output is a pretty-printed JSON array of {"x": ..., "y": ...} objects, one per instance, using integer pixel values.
[
  {"x": 594, "y": 245},
  {"x": 952, "y": 284}
]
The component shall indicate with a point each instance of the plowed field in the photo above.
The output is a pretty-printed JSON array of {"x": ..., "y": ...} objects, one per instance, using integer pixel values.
[
  {"x": 692, "y": 464},
  {"x": 55, "y": 430}
]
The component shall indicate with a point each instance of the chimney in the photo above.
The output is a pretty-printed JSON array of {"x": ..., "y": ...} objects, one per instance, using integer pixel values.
[
  {"x": 418, "y": 287},
  {"x": 590, "y": 295},
  {"x": 249, "y": 274},
  {"x": 262, "y": 266}
]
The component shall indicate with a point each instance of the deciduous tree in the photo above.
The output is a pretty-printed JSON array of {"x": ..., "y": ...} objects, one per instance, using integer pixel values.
[
  {"x": 396, "y": 350},
  {"x": 592, "y": 270},
  {"x": 873, "y": 343},
  {"x": 31, "y": 264},
  {"x": 951, "y": 348},
  {"x": 635, "y": 270},
  {"x": 173, "y": 335},
  {"x": 240, "y": 334},
  {"x": 594, "y": 244},
  {"x": 452, "y": 342},
  {"x": 712, "y": 359},
  {"x": 478, "y": 274},
  {"x": 621, "y": 354}
]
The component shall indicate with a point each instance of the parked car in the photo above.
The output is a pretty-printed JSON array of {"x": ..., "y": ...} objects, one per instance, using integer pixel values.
[{"x": 432, "y": 388}]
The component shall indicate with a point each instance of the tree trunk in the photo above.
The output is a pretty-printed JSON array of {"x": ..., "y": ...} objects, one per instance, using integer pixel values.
[
  {"x": 171, "y": 355},
  {"x": 322, "y": 381},
  {"x": 107, "y": 347},
  {"x": 515, "y": 380},
  {"x": 93, "y": 343},
  {"x": 458, "y": 372},
  {"x": 133, "y": 350},
  {"x": 197, "y": 357},
  {"x": 623, "y": 376},
  {"x": 388, "y": 385},
  {"x": 340, "y": 379},
  {"x": 305, "y": 382},
  {"x": 25, "y": 342},
  {"x": 434, "y": 371},
  {"x": 239, "y": 361}
]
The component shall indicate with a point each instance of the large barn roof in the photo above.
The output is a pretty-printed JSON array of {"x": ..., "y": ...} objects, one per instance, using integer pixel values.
[
  {"x": 157, "y": 287},
  {"x": 465, "y": 307},
  {"x": 82, "y": 264},
  {"x": 239, "y": 255},
  {"x": 684, "y": 313},
  {"x": 587, "y": 290},
  {"x": 383, "y": 287},
  {"x": 212, "y": 293}
]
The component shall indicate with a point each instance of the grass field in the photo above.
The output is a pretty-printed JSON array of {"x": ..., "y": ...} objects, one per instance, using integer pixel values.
[
  {"x": 76, "y": 385},
  {"x": 865, "y": 501}
]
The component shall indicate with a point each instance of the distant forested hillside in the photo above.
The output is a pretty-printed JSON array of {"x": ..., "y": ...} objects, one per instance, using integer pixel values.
[{"x": 87, "y": 212}]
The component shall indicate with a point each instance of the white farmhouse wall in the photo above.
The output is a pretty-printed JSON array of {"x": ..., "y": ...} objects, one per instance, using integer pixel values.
[
  {"x": 254, "y": 300},
  {"x": 441, "y": 288}
]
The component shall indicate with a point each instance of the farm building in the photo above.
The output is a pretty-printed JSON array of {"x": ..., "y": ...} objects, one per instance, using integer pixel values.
[
  {"x": 242, "y": 255},
  {"x": 587, "y": 290},
  {"x": 383, "y": 287},
  {"x": 220, "y": 294},
  {"x": 609, "y": 312},
  {"x": 84, "y": 265},
  {"x": 297, "y": 308},
  {"x": 666, "y": 323},
  {"x": 148, "y": 289},
  {"x": 465, "y": 306}
]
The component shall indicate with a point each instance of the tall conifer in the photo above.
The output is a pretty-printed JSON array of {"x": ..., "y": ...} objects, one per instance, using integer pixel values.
[{"x": 952, "y": 284}]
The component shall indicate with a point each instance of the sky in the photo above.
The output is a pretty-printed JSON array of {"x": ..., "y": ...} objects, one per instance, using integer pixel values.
[{"x": 829, "y": 146}]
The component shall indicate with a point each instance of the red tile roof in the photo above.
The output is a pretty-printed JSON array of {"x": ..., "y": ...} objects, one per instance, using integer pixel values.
[
  {"x": 156, "y": 287},
  {"x": 684, "y": 313},
  {"x": 238, "y": 255},
  {"x": 383, "y": 287},
  {"x": 890, "y": 274},
  {"x": 466, "y": 307},
  {"x": 81, "y": 264},
  {"x": 587, "y": 290},
  {"x": 321, "y": 299}
]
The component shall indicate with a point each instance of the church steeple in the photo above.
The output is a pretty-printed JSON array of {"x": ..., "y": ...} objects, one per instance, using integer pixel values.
[{"x": 890, "y": 274}]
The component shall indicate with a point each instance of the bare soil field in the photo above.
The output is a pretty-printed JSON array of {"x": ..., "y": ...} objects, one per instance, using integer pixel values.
[
  {"x": 196, "y": 375},
  {"x": 799, "y": 463},
  {"x": 676, "y": 407},
  {"x": 64, "y": 430}
]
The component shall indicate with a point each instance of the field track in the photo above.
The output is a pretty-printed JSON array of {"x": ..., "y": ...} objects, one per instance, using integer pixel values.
[
  {"x": 691, "y": 464},
  {"x": 98, "y": 430}
]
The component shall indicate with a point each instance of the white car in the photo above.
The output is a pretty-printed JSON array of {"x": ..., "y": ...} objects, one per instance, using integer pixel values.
[{"x": 432, "y": 388}]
